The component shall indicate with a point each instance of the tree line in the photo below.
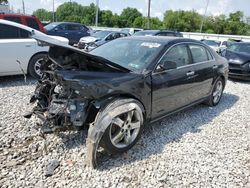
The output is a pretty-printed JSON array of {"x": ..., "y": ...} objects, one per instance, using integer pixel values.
[{"x": 186, "y": 21}]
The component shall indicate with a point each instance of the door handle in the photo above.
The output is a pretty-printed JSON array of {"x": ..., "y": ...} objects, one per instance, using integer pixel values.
[
  {"x": 66, "y": 33},
  {"x": 190, "y": 73},
  {"x": 28, "y": 45},
  {"x": 215, "y": 66}
]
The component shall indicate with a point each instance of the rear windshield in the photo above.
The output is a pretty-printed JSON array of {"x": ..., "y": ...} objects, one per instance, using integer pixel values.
[{"x": 13, "y": 19}]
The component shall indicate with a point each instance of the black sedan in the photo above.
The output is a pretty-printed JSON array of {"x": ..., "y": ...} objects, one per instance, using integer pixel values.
[
  {"x": 119, "y": 87},
  {"x": 238, "y": 55}
]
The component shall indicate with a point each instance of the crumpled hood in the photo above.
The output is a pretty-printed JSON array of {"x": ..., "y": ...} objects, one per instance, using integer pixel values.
[
  {"x": 94, "y": 85},
  {"x": 89, "y": 39},
  {"x": 237, "y": 58}
]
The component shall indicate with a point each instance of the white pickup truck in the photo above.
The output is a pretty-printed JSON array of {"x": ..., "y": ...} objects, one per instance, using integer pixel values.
[{"x": 19, "y": 53}]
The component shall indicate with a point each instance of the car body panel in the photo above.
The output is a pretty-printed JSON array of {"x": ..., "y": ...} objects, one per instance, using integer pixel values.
[
  {"x": 21, "y": 50},
  {"x": 239, "y": 64},
  {"x": 25, "y": 20},
  {"x": 63, "y": 29}
]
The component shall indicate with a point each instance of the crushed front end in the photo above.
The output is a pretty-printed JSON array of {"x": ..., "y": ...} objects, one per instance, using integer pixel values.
[{"x": 58, "y": 106}]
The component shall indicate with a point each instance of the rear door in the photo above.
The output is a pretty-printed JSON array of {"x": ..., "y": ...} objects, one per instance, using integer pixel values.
[
  {"x": 173, "y": 89},
  {"x": 15, "y": 45},
  {"x": 205, "y": 65},
  {"x": 75, "y": 32}
]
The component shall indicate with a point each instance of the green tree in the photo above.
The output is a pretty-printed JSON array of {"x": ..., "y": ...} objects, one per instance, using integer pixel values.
[
  {"x": 140, "y": 22},
  {"x": 180, "y": 20},
  {"x": 156, "y": 23},
  {"x": 106, "y": 18},
  {"x": 43, "y": 14},
  {"x": 70, "y": 11},
  {"x": 88, "y": 14},
  {"x": 128, "y": 16},
  {"x": 235, "y": 24}
]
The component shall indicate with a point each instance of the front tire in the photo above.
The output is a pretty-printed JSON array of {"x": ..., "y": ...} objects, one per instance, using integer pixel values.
[
  {"x": 125, "y": 128},
  {"x": 35, "y": 64},
  {"x": 217, "y": 92}
]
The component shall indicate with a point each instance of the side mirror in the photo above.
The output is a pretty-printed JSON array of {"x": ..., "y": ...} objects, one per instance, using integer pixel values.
[
  {"x": 56, "y": 29},
  {"x": 166, "y": 65}
]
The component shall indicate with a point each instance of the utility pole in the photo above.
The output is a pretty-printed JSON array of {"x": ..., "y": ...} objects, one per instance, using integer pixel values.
[
  {"x": 97, "y": 13},
  {"x": 149, "y": 7},
  {"x": 53, "y": 11},
  {"x": 23, "y": 7},
  {"x": 204, "y": 16}
]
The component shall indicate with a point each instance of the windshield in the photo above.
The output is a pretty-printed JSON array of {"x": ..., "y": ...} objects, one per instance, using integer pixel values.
[
  {"x": 240, "y": 47},
  {"x": 101, "y": 34},
  {"x": 50, "y": 26},
  {"x": 210, "y": 42},
  {"x": 132, "y": 54}
]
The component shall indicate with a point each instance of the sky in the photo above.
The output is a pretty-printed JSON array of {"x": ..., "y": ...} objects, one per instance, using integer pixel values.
[{"x": 158, "y": 7}]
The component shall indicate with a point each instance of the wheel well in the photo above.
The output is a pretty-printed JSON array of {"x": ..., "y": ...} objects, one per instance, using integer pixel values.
[
  {"x": 38, "y": 53},
  {"x": 96, "y": 106}
]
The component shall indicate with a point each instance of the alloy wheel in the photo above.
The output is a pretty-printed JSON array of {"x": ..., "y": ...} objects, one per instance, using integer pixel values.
[
  {"x": 37, "y": 67},
  {"x": 217, "y": 91},
  {"x": 125, "y": 129}
]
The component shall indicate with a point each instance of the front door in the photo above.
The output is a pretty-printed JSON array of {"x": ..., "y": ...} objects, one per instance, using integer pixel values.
[{"x": 173, "y": 89}]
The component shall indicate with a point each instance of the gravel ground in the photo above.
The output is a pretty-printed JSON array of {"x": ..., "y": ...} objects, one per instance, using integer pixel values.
[{"x": 199, "y": 147}]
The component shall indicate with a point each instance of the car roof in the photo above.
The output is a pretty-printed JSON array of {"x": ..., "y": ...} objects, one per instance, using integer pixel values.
[
  {"x": 161, "y": 39},
  {"x": 16, "y": 25},
  {"x": 17, "y": 15},
  {"x": 156, "y": 31},
  {"x": 57, "y": 23}
]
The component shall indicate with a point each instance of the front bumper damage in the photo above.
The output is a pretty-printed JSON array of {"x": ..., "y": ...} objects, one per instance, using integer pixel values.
[{"x": 63, "y": 109}]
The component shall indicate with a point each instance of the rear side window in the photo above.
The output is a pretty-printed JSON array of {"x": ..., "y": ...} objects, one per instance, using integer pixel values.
[
  {"x": 177, "y": 54},
  {"x": 8, "y": 32},
  {"x": 74, "y": 27},
  {"x": 24, "y": 34},
  {"x": 31, "y": 22},
  {"x": 13, "y": 19},
  {"x": 199, "y": 53}
]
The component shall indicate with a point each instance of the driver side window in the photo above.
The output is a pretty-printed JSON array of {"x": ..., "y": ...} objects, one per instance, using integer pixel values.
[{"x": 178, "y": 54}]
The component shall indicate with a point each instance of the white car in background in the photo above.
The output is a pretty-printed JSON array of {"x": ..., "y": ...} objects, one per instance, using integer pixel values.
[{"x": 19, "y": 52}]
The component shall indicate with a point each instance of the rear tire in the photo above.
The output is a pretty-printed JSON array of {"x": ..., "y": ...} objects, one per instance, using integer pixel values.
[
  {"x": 35, "y": 64},
  {"x": 125, "y": 130},
  {"x": 217, "y": 92}
]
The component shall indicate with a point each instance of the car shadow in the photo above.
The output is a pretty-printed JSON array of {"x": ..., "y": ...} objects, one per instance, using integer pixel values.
[
  {"x": 234, "y": 80},
  {"x": 17, "y": 80},
  {"x": 172, "y": 127}
]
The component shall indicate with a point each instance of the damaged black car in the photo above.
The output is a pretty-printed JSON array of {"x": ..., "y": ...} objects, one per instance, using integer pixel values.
[
  {"x": 238, "y": 56},
  {"x": 119, "y": 87}
]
